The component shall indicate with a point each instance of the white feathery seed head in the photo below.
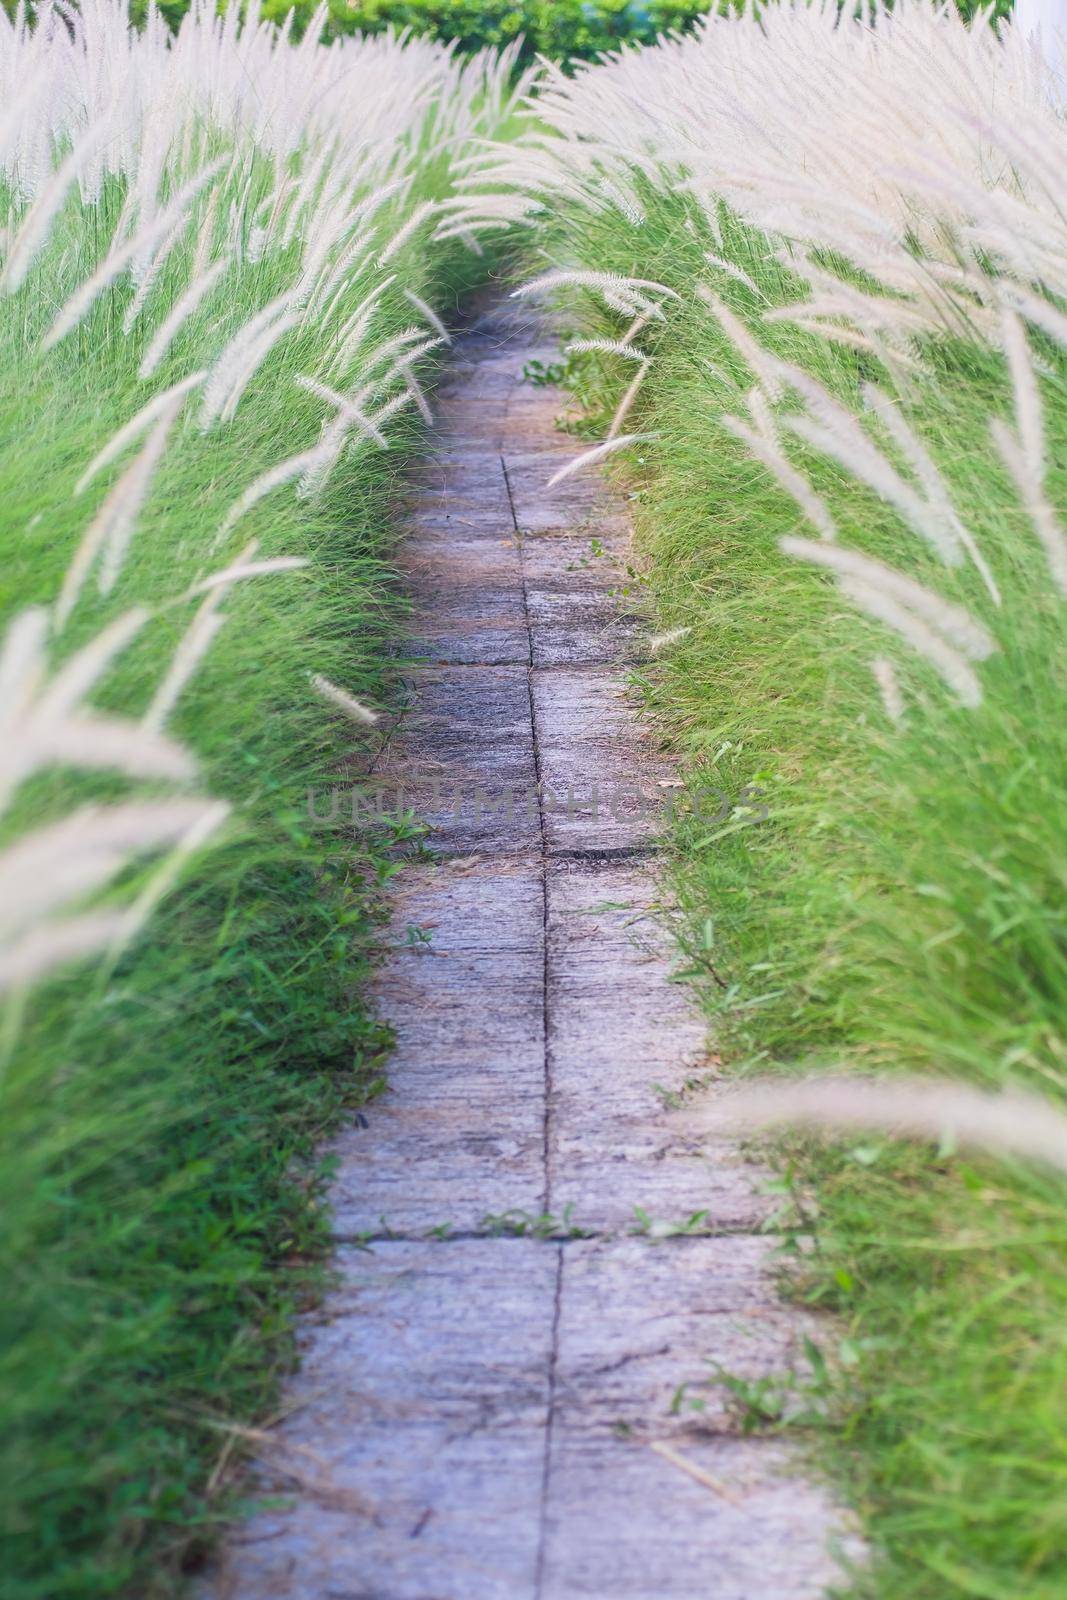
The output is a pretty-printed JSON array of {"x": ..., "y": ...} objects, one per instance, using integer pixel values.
[
  {"x": 1005, "y": 1122},
  {"x": 589, "y": 458},
  {"x": 352, "y": 708}
]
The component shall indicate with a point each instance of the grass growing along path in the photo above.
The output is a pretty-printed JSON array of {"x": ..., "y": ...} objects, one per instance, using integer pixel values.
[
  {"x": 160, "y": 1191},
  {"x": 893, "y": 896},
  {"x": 900, "y": 905},
  {"x": 895, "y": 909}
]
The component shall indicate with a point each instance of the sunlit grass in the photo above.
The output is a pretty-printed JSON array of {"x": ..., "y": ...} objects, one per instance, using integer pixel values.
[
  {"x": 899, "y": 906},
  {"x": 161, "y": 1195}
]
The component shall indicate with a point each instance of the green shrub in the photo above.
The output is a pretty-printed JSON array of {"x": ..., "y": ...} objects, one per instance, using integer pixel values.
[
  {"x": 560, "y": 29},
  {"x": 556, "y": 28},
  {"x": 573, "y": 28}
]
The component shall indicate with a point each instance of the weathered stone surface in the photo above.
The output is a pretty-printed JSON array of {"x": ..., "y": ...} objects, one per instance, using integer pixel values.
[
  {"x": 459, "y": 1134},
  {"x": 641, "y": 1321},
  {"x": 578, "y": 502},
  {"x": 626, "y": 1524},
  {"x": 468, "y": 598},
  {"x": 595, "y": 764},
  {"x": 455, "y": 482},
  {"x": 639, "y": 1328},
  {"x": 414, "y": 1445},
  {"x": 615, "y": 1067},
  {"x": 464, "y": 759},
  {"x": 577, "y": 615},
  {"x": 480, "y": 1416}
]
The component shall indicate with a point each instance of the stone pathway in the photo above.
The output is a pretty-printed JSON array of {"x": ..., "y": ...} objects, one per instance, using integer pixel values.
[{"x": 484, "y": 1409}]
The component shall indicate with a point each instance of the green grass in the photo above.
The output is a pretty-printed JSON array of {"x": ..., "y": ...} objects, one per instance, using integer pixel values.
[
  {"x": 160, "y": 1193},
  {"x": 901, "y": 906}
]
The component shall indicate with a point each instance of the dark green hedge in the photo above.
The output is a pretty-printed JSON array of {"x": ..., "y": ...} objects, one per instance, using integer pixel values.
[{"x": 557, "y": 28}]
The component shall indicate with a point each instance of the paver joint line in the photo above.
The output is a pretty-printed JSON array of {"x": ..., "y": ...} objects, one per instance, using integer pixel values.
[
  {"x": 535, "y": 745},
  {"x": 546, "y": 1237},
  {"x": 546, "y": 1152},
  {"x": 550, "y": 1417}
]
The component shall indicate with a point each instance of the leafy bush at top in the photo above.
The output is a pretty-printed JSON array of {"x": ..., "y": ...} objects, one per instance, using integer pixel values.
[
  {"x": 559, "y": 29},
  {"x": 573, "y": 28}
]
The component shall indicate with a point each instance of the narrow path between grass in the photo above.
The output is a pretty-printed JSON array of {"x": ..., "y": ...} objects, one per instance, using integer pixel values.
[{"x": 484, "y": 1409}]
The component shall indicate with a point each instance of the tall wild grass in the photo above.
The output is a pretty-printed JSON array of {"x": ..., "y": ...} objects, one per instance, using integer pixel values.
[
  {"x": 227, "y": 265},
  {"x": 816, "y": 266}
]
